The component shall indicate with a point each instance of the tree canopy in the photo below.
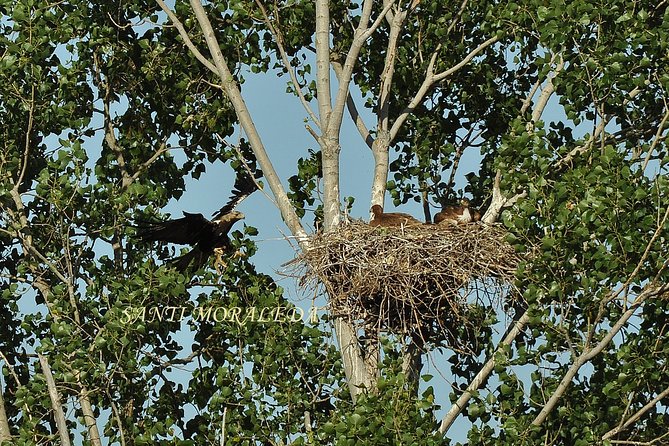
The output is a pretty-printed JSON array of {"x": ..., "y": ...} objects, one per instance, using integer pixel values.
[{"x": 110, "y": 110}]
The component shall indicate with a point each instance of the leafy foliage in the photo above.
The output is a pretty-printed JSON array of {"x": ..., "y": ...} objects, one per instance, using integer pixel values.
[{"x": 106, "y": 115}]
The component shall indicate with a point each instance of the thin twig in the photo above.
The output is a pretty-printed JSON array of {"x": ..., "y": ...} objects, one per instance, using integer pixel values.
[
  {"x": 26, "y": 148},
  {"x": 657, "y": 139}
]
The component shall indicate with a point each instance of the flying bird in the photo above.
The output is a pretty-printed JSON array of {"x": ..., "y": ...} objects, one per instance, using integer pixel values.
[
  {"x": 207, "y": 237},
  {"x": 391, "y": 218},
  {"x": 457, "y": 215}
]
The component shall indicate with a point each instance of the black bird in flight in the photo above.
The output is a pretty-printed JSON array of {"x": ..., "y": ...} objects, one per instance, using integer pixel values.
[{"x": 207, "y": 237}]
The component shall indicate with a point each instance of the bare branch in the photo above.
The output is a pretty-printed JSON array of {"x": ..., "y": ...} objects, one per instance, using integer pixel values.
[
  {"x": 590, "y": 353},
  {"x": 444, "y": 74},
  {"x": 59, "y": 415},
  {"x": 387, "y": 5},
  {"x": 657, "y": 139},
  {"x": 457, "y": 16},
  {"x": 389, "y": 70},
  {"x": 5, "y": 434},
  {"x": 184, "y": 35},
  {"x": 246, "y": 167},
  {"x": 307, "y": 426},
  {"x": 361, "y": 34},
  {"x": 110, "y": 137},
  {"x": 234, "y": 95},
  {"x": 323, "y": 62},
  {"x": 546, "y": 94},
  {"x": 146, "y": 164},
  {"x": 389, "y": 16},
  {"x": 650, "y": 290},
  {"x": 654, "y": 441},
  {"x": 26, "y": 148},
  {"x": 528, "y": 100},
  {"x": 594, "y": 137},
  {"x": 357, "y": 376},
  {"x": 381, "y": 144},
  {"x": 88, "y": 414},
  {"x": 225, "y": 415},
  {"x": 499, "y": 201},
  {"x": 117, "y": 417},
  {"x": 481, "y": 376},
  {"x": 431, "y": 78},
  {"x": 458, "y": 155},
  {"x": 353, "y": 110},
  {"x": 329, "y": 139},
  {"x": 651, "y": 404}
]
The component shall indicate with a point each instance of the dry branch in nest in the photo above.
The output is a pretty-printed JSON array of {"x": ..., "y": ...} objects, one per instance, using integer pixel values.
[{"x": 411, "y": 281}]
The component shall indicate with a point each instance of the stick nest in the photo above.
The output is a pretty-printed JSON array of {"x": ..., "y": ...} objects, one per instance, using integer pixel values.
[{"x": 412, "y": 281}]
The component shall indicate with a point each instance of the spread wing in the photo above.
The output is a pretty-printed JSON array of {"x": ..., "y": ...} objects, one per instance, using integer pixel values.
[
  {"x": 244, "y": 186},
  {"x": 185, "y": 231}
]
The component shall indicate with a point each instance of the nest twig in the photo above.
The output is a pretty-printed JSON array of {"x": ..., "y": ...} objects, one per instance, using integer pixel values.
[{"x": 411, "y": 281}]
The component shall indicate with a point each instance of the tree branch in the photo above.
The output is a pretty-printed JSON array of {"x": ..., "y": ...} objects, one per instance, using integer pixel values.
[
  {"x": 110, "y": 137},
  {"x": 353, "y": 110},
  {"x": 382, "y": 112},
  {"x": 360, "y": 373},
  {"x": 278, "y": 38},
  {"x": 59, "y": 415},
  {"x": 457, "y": 16},
  {"x": 588, "y": 353},
  {"x": 545, "y": 95},
  {"x": 5, "y": 434},
  {"x": 184, "y": 35},
  {"x": 651, "y": 404},
  {"x": 657, "y": 139},
  {"x": 499, "y": 201},
  {"x": 358, "y": 377},
  {"x": 431, "y": 78},
  {"x": 481, "y": 376},
  {"x": 117, "y": 417},
  {"x": 594, "y": 137},
  {"x": 26, "y": 148},
  {"x": 362, "y": 32},
  {"x": 87, "y": 411},
  {"x": 234, "y": 95},
  {"x": 323, "y": 62},
  {"x": 146, "y": 164}
]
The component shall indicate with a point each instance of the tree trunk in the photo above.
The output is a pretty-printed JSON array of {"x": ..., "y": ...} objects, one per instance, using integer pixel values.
[{"x": 4, "y": 424}]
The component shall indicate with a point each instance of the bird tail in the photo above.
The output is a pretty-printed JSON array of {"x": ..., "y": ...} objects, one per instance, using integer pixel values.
[{"x": 195, "y": 256}]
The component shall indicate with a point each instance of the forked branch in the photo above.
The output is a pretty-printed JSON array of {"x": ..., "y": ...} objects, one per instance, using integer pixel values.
[
  {"x": 234, "y": 95},
  {"x": 278, "y": 38},
  {"x": 431, "y": 78},
  {"x": 633, "y": 419},
  {"x": 499, "y": 201}
]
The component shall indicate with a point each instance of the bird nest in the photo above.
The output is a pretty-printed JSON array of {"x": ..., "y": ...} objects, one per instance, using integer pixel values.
[{"x": 413, "y": 281}]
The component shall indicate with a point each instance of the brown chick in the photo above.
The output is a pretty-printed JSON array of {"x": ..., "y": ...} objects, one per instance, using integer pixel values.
[
  {"x": 391, "y": 218},
  {"x": 457, "y": 215}
]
